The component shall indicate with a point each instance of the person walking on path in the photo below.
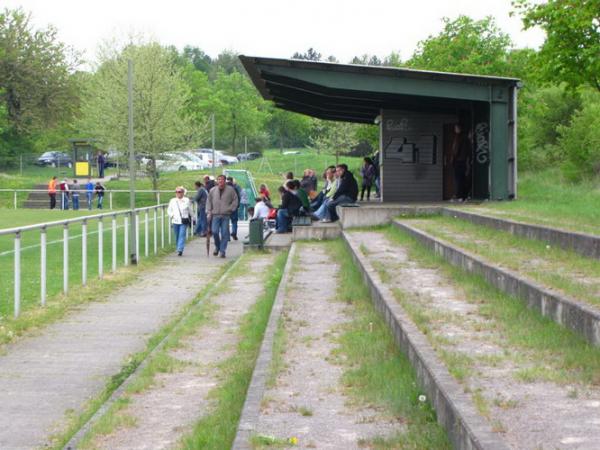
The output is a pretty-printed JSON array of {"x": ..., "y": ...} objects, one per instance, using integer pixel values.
[
  {"x": 99, "y": 189},
  {"x": 180, "y": 213},
  {"x": 64, "y": 190},
  {"x": 234, "y": 215},
  {"x": 101, "y": 161},
  {"x": 367, "y": 172},
  {"x": 200, "y": 199},
  {"x": 75, "y": 189},
  {"x": 222, "y": 202},
  {"x": 89, "y": 192},
  {"x": 52, "y": 192}
]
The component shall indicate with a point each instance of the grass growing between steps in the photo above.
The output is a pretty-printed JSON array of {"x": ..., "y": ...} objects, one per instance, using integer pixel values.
[
  {"x": 553, "y": 353},
  {"x": 217, "y": 429},
  {"x": 76, "y": 421},
  {"x": 376, "y": 372},
  {"x": 533, "y": 258}
]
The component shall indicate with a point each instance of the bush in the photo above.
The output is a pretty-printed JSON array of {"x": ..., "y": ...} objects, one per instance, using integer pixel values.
[
  {"x": 542, "y": 112},
  {"x": 580, "y": 140}
]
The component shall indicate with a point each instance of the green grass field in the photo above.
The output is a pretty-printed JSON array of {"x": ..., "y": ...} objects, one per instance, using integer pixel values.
[{"x": 30, "y": 253}]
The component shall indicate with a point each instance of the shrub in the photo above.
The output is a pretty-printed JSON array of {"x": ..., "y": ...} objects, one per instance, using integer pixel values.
[{"x": 580, "y": 140}]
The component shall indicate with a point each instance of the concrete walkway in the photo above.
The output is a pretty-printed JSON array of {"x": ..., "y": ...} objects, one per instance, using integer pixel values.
[{"x": 46, "y": 376}]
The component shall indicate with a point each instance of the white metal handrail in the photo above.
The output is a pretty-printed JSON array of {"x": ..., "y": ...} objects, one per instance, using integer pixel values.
[
  {"x": 82, "y": 192},
  {"x": 158, "y": 221}
]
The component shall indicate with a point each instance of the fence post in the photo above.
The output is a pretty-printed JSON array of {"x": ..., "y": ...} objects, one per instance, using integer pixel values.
[
  {"x": 126, "y": 239},
  {"x": 137, "y": 235},
  {"x": 43, "y": 266},
  {"x": 169, "y": 229},
  {"x": 155, "y": 235},
  {"x": 110, "y": 200},
  {"x": 157, "y": 198},
  {"x": 66, "y": 258},
  {"x": 162, "y": 227},
  {"x": 114, "y": 243},
  {"x": 17, "y": 285},
  {"x": 84, "y": 252},
  {"x": 146, "y": 237},
  {"x": 100, "y": 247},
  {"x": 15, "y": 198}
]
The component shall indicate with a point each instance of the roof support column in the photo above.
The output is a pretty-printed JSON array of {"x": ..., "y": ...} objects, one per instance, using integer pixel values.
[{"x": 499, "y": 141}]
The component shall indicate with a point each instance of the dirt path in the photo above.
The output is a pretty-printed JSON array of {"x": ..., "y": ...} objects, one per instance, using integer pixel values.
[
  {"x": 307, "y": 400},
  {"x": 530, "y": 414},
  {"x": 164, "y": 412}
]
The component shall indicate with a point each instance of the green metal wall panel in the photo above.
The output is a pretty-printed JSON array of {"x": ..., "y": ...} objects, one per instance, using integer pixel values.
[
  {"x": 386, "y": 84},
  {"x": 499, "y": 150}
]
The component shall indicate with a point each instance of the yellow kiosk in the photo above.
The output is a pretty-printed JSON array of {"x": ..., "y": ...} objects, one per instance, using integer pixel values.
[{"x": 83, "y": 157}]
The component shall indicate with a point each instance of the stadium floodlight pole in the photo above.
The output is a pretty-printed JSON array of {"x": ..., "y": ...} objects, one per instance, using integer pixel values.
[
  {"x": 133, "y": 246},
  {"x": 212, "y": 119}
]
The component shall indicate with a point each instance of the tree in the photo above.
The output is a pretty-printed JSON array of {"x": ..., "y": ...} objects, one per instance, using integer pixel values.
[
  {"x": 238, "y": 109},
  {"x": 333, "y": 137},
  {"x": 36, "y": 88},
  {"x": 288, "y": 128},
  {"x": 227, "y": 62},
  {"x": 310, "y": 55},
  {"x": 159, "y": 101},
  {"x": 198, "y": 58},
  {"x": 571, "y": 51},
  {"x": 465, "y": 46}
]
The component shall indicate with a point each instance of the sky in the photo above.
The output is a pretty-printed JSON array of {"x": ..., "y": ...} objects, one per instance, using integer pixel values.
[{"x": 269, "y": 28}]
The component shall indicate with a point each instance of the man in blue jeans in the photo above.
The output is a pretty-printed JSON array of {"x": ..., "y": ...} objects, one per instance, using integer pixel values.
[
  {"x": 346, "y": 193},
  {"x": 89, "y": 193},
  {"x": 222, "y": 201}
]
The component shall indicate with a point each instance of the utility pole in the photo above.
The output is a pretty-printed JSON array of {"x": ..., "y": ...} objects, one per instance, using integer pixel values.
[
  {"x": 213, "y": 142},
  {"x": 133, "y": 243}
]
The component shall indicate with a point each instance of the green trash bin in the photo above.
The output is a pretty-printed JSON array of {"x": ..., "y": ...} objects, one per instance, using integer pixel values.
[{"x": 256, "y": 233}]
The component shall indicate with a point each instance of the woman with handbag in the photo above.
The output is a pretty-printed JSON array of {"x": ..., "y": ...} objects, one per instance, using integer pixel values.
[{"x": 180, "y": 213}]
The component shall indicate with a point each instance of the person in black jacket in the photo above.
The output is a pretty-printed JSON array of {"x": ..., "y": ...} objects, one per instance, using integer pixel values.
[
  {"x": 347, "y": 190},
  {"x": 290, "y": 207}
]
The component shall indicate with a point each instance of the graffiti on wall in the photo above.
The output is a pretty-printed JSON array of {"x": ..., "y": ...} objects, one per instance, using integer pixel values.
[{"x": 482, "y": 144}]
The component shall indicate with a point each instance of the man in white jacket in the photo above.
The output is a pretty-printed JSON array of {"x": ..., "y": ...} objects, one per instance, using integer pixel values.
[{"x": 180, "y": 213}]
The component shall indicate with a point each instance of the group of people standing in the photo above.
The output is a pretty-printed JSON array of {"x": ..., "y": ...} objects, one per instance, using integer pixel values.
[
  {"x": 220, "y": 203},
  {"x": 69, "y": 193}
]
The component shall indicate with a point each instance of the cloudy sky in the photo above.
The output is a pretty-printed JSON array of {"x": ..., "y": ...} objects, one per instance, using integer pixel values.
[{"x": 275, "y": 28}]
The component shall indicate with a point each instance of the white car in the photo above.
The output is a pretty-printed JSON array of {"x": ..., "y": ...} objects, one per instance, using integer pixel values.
[
  {"x": 194, "y": 157},
  {"x": 206, "y": 156},
  {"x": 227, "y": 159},
  {"x": 171, "y": 162}
]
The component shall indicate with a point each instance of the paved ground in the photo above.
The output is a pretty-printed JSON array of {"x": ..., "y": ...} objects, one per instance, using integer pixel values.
[
  {"x": 308, "y": 401},
  {"x": 166, "y": 411},
  {"x": 44, "y": 377}
]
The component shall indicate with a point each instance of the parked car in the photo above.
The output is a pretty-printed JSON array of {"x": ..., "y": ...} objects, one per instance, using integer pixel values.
[
  {"x": 206, "y": 156},
  {"x": 54, "y": 159},
  {"x": 249, "y": 156},
  {"x": 171, "y": 162},
  {"x": 199, "y": 160},
  {"x": 227, "y": 159}
]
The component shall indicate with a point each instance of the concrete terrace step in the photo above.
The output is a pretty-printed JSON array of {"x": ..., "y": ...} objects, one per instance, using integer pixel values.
[
  {"x": 580, "y": 317},
  {"x": 583, "y": 243},
  {"x": 473, "y": 370}
]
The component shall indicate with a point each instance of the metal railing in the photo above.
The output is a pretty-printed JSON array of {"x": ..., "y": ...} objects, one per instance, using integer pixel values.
[
  {"x": 149, "y": 216},
  {"x": 110, "y": 193}
]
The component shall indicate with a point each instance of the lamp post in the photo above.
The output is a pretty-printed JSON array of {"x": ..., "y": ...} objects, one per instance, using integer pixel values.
[{"x": 132, "y": 234}]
